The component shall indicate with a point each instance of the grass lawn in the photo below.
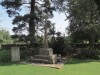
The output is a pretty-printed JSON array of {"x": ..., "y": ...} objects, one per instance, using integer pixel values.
[{"x": 73, "y": 67}]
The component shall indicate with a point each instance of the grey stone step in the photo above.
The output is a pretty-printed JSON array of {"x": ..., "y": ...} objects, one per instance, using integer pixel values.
[
  {"x": 35, "y": 60},
  {"x": 42, "y": 57}
]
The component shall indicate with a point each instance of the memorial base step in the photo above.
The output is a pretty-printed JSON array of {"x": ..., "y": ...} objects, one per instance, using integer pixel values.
[{"x": 34, "y": 60}]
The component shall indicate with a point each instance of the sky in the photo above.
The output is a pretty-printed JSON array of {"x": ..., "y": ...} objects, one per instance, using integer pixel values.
[{"x": 6, "y": 22}]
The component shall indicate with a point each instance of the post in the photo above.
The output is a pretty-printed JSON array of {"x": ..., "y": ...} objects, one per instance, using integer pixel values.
[{"x": 15, "y": 54}]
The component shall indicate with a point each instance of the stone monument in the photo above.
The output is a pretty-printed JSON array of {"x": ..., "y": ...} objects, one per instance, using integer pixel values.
[
  {"x": 15, "y": 54},
  {"x": 45, "y": 54}
]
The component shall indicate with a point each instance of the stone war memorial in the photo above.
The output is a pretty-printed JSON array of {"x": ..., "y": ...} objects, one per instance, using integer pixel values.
[{"x": 45, "y": 55}]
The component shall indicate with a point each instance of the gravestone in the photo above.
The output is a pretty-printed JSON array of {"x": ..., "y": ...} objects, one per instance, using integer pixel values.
[{"x": 15, "y": 54}]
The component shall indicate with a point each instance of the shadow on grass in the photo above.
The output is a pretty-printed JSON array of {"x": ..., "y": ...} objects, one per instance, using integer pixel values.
[
  {"x": 10, "y": 64},
  {"x": 69, "y": 62},
  {"x": 80, "y": 61}
]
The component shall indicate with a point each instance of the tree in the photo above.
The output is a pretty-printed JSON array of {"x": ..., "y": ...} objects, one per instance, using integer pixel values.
[
  {"x": 98, "y": 4},
  {"x": 29, "y": 21},
  {"x": 5, "y": 37},
  {"x": 84, "y": 19}
]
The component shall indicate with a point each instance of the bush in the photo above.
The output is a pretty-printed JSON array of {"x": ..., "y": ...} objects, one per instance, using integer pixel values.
[
  {"x": 87, "y": 53},
  {"x": 5, "y": 56},
  {"x": 60, "y": 46}
]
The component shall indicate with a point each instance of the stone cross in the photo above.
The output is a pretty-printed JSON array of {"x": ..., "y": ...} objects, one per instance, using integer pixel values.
[{"x": 45, "y": 34}]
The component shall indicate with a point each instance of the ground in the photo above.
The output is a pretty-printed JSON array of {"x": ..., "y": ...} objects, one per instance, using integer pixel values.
[{"x": 72, "y": 67}]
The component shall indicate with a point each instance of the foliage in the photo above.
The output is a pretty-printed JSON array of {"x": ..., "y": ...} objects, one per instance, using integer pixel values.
[
  {"x": 5, "y": 56},
  {"x": 61, "y": 45},
  {"x": 23, "y": 53},
  {"x": 84, "y": 20},
  {"x": 5, "y": 37},
  {"x": 98, "y": 4},
  {"x": 29, "y": 21},
  {"x": 84, "y": 25},
  {"x": 20, "y": 39},
  {"x": 87, "y": 53}
]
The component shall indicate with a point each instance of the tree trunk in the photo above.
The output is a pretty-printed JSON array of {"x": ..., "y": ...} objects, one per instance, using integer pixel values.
[{"x": 31, "y": 23}]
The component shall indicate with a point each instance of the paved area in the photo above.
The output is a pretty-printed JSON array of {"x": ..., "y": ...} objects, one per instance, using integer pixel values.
[{"x": 57, "y": 66}]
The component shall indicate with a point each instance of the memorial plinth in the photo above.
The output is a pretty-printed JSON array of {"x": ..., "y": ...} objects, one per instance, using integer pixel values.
[{"x": 45, "y": 56}]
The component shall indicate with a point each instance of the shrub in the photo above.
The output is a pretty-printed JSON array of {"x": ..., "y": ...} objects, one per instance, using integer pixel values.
[
  {"x": 60, "y": 46},
  {"x": 5, "y": 56},
  {"x": 22, "y": 54},
  {"x": 87, "y": 53}
]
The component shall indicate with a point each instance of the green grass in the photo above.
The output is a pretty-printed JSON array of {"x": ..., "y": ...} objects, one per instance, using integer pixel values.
[{"x": 73, "y": 67}]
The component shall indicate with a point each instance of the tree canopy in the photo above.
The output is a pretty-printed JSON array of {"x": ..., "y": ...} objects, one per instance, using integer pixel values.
[
  {"x": 83, "y": 17},
  {"x": 30, "y": 21},
  {"x": 5, "y": 37}
]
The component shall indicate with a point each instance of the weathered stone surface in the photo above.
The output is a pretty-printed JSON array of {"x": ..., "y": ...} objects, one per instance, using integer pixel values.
[
  {"x": 53, "y": 59},
  {"x": 15, "y": 54},
  {"x": 42, "y": 57},
  {"x": 46, "y": 51},
  {"x": 45, "y": 56}
]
